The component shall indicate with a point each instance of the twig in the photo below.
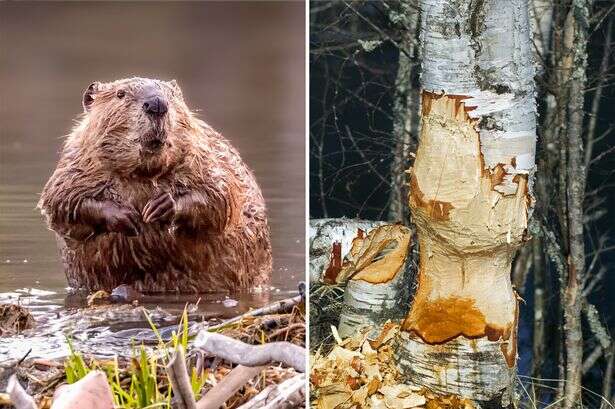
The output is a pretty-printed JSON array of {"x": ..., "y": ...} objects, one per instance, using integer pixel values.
[
  {"x": 593, "y": 118},
  {"x": 596, "y": 326},
  {"x": 241, "y": 353},
  {"x": 286, "y": 395},
  {"x": 226, "y": 388},
  {"x": 608, "y": 378},
  {"x": 24, "y": 357},
  {"x": 275, "y": 308},
  {"x": 180, "y": 381},
  {"x": 19, "y": 397},
  {"x": 591, "y": 359},
  {"x": 286, "y": 330}
]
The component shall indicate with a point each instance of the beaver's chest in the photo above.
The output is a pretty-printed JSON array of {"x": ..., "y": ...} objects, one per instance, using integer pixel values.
[{"x": 138, "y": 192}]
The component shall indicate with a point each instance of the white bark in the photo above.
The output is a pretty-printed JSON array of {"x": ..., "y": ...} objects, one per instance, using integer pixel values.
[
  {"x": 481, "y": 50},
  {"x": 325, "y": 232},
  {"x": 471, "y": 196}
]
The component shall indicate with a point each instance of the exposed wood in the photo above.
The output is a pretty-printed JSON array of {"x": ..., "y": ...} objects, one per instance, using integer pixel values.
[
  {"x": 374, "y": 271},
  {"x": 227, "y": 387},
  {"x": 374, "y": 275},
  {"x": 286, "y": 395}
]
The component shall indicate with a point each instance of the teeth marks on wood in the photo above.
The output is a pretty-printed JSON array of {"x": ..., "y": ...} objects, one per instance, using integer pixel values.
[
  {"x": 449, "y": 203},
  {"x": 378, "y": 257},
  {"x": 497, "y": 175},
  {"x": 436, "y": 209}
]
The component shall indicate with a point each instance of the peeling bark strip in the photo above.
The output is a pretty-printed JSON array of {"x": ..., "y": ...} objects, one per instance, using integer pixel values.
[{"x": 471, "y": 196}]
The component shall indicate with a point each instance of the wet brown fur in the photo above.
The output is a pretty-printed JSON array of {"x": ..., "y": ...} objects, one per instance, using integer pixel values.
[{"x": 218, "y": 239}]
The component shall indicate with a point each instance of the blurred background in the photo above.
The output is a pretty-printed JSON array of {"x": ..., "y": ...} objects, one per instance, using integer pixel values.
[{"x": 240, "y": 65}]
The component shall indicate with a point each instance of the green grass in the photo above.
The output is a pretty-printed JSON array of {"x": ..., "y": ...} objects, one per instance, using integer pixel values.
[{"x": 143, "y": 390}]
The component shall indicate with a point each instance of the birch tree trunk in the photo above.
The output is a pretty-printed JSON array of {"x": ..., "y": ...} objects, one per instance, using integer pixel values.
[
  {"x": 471, "y": 197},
  {"x": 575, "y": 40}
]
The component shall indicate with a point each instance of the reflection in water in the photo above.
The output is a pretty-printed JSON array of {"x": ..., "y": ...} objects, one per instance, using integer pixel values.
[
  {"x": 110, "y": 329},
  {"x": 240, "y": 65}
]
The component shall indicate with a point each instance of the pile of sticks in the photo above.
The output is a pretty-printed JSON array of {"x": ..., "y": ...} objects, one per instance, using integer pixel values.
[{"x": 250, "y": 360}]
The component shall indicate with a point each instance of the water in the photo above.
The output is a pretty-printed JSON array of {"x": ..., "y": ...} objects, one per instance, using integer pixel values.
[{"x": 240, "y": 65}]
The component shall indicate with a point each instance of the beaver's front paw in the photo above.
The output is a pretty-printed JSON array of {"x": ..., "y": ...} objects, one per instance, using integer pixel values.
[
  {"x": 160, "y": 209},
  {"x": 119, "y": 219}
]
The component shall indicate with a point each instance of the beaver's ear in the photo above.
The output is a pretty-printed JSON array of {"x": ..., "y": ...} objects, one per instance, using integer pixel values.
[
  {"x": 173, "y": 83},
  {"x": 89, "y": 95}
]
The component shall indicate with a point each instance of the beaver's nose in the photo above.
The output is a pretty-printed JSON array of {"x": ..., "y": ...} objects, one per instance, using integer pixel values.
[{"x": 155, "y": 106}]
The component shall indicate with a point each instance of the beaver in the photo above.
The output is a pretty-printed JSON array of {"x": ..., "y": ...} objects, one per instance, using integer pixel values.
[{"x": 148, "y": 195}]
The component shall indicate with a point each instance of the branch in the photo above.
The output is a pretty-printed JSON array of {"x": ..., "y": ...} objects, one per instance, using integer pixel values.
[
  {"x": 227, "y": 387},
  {"x": 180, "y": 380},
  {"x": 19, "y": 397},
  {"x": 286, "y": 395},
  {"x": 275, "y": 308},
  {"x": 596, "y": 326},
  {"x": 593, "y": 118},
  {"x": 244, "y": 354},
  {"x": 591, "y": 359}
]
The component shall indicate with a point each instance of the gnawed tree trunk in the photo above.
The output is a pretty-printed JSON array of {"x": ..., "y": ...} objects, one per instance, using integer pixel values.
[
  {"x": 470, "y": 197},
  {"x": 374, "y": 271},
  {"x": 368, "y": 258},
  {"x": 330, "y": 239}
]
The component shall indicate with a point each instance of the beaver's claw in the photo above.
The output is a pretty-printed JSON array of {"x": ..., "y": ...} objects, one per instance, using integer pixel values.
[
  {"x": 121, "y": 219},
  {"x": 161, "y": 208}
]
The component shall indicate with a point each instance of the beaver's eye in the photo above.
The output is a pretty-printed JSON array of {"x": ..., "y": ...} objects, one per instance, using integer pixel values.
[{"x": 120, "y": 93}]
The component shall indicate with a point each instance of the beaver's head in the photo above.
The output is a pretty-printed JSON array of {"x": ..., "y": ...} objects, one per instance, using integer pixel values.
[{"x": 137, "y": 125}]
